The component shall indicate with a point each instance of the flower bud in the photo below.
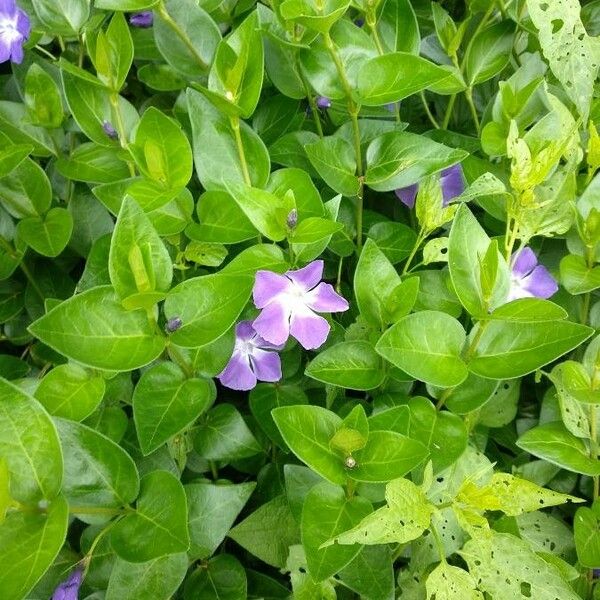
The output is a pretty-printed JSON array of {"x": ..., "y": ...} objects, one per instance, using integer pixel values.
[
  {"x": 292, "y": 218},
  {"x": 173, "y": 324},
  {"x": 350, "y": 462},
  {"x": 323, "y": 102},
  {"x": 142, "y": 19},
  {"x": 109, "y": 130}
]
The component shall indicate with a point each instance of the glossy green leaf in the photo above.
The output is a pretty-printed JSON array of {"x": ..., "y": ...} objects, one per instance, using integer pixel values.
[
  {"x": 49, "y": 234},
  {"x": 158, "y": 526},
  {"x": 586, "y": 527},
  {"x": 489, "y": 52},
  {"x": 371, "y": 573},
  {"x": 165, "y": 402},
  {"x": 93, "y": 329},
  {"x": 223, "y": 578}
]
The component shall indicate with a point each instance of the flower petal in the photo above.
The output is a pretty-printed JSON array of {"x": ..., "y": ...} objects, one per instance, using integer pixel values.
[
  {"x": 23, "y": 23},
  {"x": 16, "y": 52},
  {"x": 524, "y": 262},
  {"x": 244, "y": 331},
  {"x": 267, "y": 286},
  {"x": 453, "y": 183},
  {"x": 307, "y": 277},
  {"x": 408, "y": 195},
  {"x": 266, "y": 365},
  {"x": 7, "y": 8},
  {"x": 273, "y": 323},
  {"x": 238, "y": 374},
  {"x": 325, "y": 299},
  {"x": 309, "y": 329},
  {"x": 540, "y": 283}
]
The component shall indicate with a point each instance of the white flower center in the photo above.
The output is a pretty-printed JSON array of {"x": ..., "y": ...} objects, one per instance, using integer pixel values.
[{"x": 8, "y": 30}]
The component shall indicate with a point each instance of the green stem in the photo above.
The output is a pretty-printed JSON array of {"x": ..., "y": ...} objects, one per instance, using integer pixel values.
[
  {"x": 469, "y": 97},
  {"x": 448, "y": 113},
  {"x": 350, "y": 488},
  {"x": 420, "y": 239},
  {"x": 594, "y": 447},
  {"x": 314, "y": 109},
  {"x": 25, "y": 269},
  {"x": 45, "y": 52},
  {"x": 116, "y": 105},
  {"x": 182, "y": 35},
  {"x": 213, "y": 469},
  {"x": 235, "y": 126},
  {"x": 432, "y": 119},
  {"x": 338, "y": 283},
  {"x": 175, "y": 354}
]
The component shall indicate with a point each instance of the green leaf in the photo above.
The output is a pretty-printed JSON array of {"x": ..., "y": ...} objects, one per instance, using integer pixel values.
[
  {"x": 212, "y": 510},
  {"x": 314, "y": 229},
  {"x": 98, "y": 472},
  {"x": 186, "y": 36},
  {"x": 446, "y": 582},
  {"x": 125, "y": 5},
  {"x": 224, "y": 435},
  {"x": 49, "y": 234},
  {"x": 400, "y": 159},
  {"x": 138, "y": 259},
  {"x": 371, "y": 574},
  {"x": 94, "y": 329},
  {"x": 157, "y": 579},
  {"x": 404, "y": 518},
  {"x": 352, "y": 365},
  {"x": 29, "y": 543},
  {"x": 268, "y": 532},
  {"x": 162, "y": 150},
  {"x": 69, "y": 391},
  {"x": 26, "y": 190},
  {"x": 489, "y": 52},
  {"x": 375, "y": 284},
  {"x": 307, "y": 430},
  {"x": 12, "y": 157},
  {"x": 216, "y": 154},
  {"x": 577, "y": 277},
  {"x": 208, "y": 306},
  {"x": 586, "y": 527},
  {"x": 15, "y": 123},
  {"x": 265, "y": 397},
  {"x": 29, "y": 445},
  {"x": 387, "y": 455},
  {"x": 504, "y": 566},
  {"x": 508, "y": 349},
  {"x": 120, "y": 46},
  {"x": 222, "y": 578},
  {"x": 393, "y": 77},
  {"x": 326, "y": 512},
  {"x": 427, "y": 345},
  {"x": 312, "y": 15},
  {"x": 464, "y": 261},
  {"x": 555, "y": 444},
  {"x": 529, "y": 310},
  {"x": 399, "y": 28},
  {"x": 62, "y": 17},
  {"x": 335, "y": 161},
  {"x": 43, "y": 99},
  {"x": 165, "y": 402},
  {"x": 395, "y": 240},
  {"x": 572, "y": 54},
  {"x": 151, "y": 531},
  {"x": 93, "y": 163}
]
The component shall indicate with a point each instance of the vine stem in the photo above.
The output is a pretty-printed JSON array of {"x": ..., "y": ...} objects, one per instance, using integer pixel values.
[
  {"x": 420, "y": 239},
  {"x": 235, "y": 126},
  {"x": 469, "y": 97},
  {"x": 114, "y": 100}
]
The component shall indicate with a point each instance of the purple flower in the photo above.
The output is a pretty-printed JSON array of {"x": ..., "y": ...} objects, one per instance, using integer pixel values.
[
  {"x": 109, "y": 130},
  {"x": 289, "y": 303},
  {"x": 528, "y": 278},
  {"x": 14, "y": 31},
  {"x": 323, "y": 102},
  {"x": 173, "y": 324},
  {"x": 69, "y": 588},
  {"x": 142, "y": 19},
  {"x": 251, "y": 360},
  {"x": 451, "y": 179}
]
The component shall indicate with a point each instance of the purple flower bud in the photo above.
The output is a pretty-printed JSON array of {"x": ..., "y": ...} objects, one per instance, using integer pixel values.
[
  {"x": 323, "y": 102},
  {"x": 391, "y": 107},
  {"x": 596, "y": 573},
  {"x": 14, "y": 31},
  {"x": 359, "y": 22},
  {"x": 142, "y": 19},
  {"x": 110, "y": 131},
  {"x": 69, "y": 588},
  {"x": 173, "y": 324},
  {"x": 292, "y": 218}
]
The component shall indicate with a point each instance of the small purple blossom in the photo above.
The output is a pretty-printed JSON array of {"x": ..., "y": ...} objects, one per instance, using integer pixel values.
[
  {"x": 108, "y": 129},
  {"x": 69, "y": 588},
  {"x": 173, "y": 324},
  {"x": 252, "y": 360},
  {"x": 530, "y": 279},
  {"x": 290, "y": 302},
  {"x": 142, "y": 19},
  {"x": 14, "y": 31},
  {"x": 323, "y": 102},
  {"x": 451, "y": 179}
]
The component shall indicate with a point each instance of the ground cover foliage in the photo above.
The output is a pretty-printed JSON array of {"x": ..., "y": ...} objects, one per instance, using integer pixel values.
[{"x": 298, "y": 299}]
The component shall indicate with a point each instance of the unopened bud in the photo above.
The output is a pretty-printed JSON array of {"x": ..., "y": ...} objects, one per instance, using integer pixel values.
[
  {"x": 109, "y": 130},
  {"x": 323, "y": 102},
  {"x": 173, "y": 324},
  {"x": 350, "y": 462},
  {"x": 292, "y": 218}
]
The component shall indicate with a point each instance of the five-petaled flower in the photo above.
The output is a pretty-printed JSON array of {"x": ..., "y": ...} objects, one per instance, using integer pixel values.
[
  {"x": 528, "y": 278},
  {"x": 142, "y": 19},
  {"x": 290, "y": 302},
  {"x": 253, "y": 359},
  {"x": 14, "y": 31},
  {"x": 69, "y": 588},
  {"x": 452, "y": 182}
]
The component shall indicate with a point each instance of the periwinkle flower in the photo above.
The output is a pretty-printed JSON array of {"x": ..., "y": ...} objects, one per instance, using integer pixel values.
[
  {"x": 109, "y": 130},
  {"x": 292, "y": 218},
  {"x": 451, "y": 179},
  {"x": 14, "y": 31},
  {"x": 530, "y": 279},
  {"x": 290, "y": 302},
  {"x": 142, "y": 19},
  {"x": 173, "y": 324},
  {"x": 253, "y": 360},
  {"x": 323, "y": 102},
  {"x": 69, "y": 588}
]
